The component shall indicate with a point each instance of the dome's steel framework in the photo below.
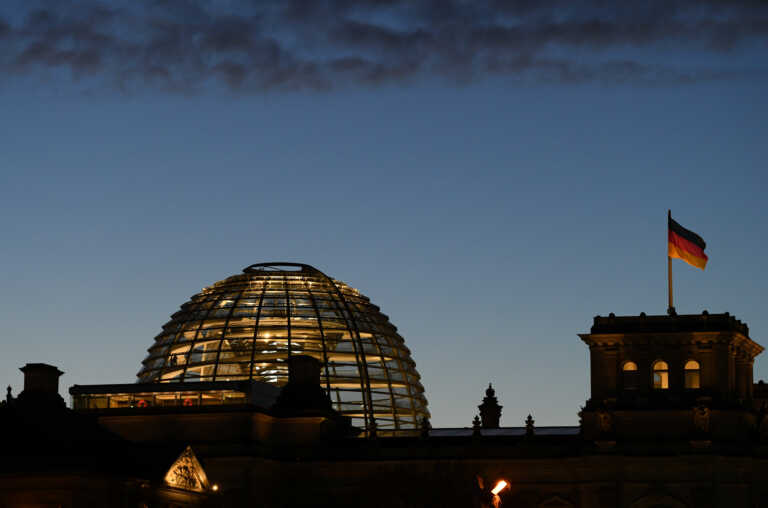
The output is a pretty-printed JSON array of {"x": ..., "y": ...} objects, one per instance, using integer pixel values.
[{"x": 246, "y": 326}]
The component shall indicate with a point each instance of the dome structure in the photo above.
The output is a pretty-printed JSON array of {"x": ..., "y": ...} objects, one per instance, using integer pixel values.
[{"x": 246, "y": 327}]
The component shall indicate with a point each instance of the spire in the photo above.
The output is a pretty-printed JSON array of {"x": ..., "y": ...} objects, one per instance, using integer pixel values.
[{"x": 490, "y": 410}]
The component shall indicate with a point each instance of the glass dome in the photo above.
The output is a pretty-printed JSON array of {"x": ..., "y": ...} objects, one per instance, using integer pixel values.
[{"x": 246, "y": 326}]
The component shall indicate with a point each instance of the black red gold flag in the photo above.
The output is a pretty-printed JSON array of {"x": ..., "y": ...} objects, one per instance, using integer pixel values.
[{"x": 686, "y": 245}]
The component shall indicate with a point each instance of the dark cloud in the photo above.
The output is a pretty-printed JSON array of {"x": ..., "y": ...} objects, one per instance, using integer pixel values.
[
  {"x": 250, "y": 45},
  {"x": 366, "y": 35},
  {"x": 233, "y": 73},
  {"x": 80, "y": 61}
]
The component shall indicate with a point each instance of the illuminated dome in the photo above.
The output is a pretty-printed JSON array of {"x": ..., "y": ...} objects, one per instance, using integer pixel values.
[{"x": 246, "y": 326}]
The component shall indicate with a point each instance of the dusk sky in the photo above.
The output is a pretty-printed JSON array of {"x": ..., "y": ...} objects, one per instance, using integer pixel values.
[{"x": 492, "y": 174}]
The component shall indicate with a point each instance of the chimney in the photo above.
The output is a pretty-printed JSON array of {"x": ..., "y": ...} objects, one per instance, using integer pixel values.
[
  {"x": 303, "y": 370},
  {"x": 41, "y": 384},
  {"x": 303, "y": 393}
]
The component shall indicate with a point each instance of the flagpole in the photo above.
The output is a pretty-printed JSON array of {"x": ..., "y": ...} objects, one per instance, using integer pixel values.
[{"x": 671, "y": 309}]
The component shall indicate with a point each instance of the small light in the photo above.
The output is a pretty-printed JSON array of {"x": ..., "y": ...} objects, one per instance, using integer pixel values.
[
  {"x": 215, "y": 487},
  {"x": 500, "y": 485}
]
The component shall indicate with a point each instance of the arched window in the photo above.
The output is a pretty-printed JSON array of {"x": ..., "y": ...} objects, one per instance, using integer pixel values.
[
  {"x": 692, "y": 374},
  {"x": 660, "y": 375},
  {"x": 631, "y": 376}
]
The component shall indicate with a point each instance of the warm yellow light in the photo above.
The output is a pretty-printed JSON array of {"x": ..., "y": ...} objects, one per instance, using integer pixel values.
[
  {"x": 500, "y": 485},
  {"x": 215, "y": 487},
  {"x": 630, "y": 367}
]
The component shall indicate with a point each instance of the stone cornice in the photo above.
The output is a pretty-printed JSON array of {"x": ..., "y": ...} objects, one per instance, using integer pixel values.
[{"x": 734, "y": 339}]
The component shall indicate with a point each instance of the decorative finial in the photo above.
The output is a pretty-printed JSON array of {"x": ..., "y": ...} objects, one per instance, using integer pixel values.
[
  {"x": 530, "y": 430},
  {"x": 8, "y": 396},
  {"x": 476, "y": 426},
  {"x": 425, "y": 427}
]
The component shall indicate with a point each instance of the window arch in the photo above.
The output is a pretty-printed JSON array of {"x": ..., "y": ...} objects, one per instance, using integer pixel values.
[
  {"x": 660, "y": 375},
  {"x": 631, "y": 375},
  {"x": 692, "y": 374}
]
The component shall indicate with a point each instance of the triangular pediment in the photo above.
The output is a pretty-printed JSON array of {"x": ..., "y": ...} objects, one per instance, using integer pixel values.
[
  {"x": 187, "y": 473},
  {"x": 556, "y": 502}
]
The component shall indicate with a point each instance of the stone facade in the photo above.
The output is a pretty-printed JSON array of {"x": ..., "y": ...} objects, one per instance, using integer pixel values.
[{"x": 672, "y": 434}]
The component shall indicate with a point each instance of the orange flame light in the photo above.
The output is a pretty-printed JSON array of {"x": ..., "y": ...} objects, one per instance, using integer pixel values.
[{"x": 500, "y": 485}]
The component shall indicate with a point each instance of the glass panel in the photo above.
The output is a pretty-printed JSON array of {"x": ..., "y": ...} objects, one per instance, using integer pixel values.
[
  {"x": 691, "y": 365},
  {"x": 660, "y": 375},
  {"x": 213, "y": 335},
  {"x": 692, "y": 375},
  {"x": 631, "y": 376},
  {"x": 692, "y": 380}
]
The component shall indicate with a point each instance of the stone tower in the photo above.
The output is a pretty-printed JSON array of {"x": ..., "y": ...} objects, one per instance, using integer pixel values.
[
  {"x": 671, "y": 377},
  {"x": 490, "y": 410}
]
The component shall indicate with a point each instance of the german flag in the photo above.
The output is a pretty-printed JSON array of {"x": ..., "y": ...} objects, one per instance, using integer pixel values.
[{"x": 686, "y": 245}]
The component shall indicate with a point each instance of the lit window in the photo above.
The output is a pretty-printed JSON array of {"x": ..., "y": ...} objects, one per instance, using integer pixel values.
[
  {"x": 631, "y": 376},
  {"x": 660, "y": 375},
  {"x": 692, "y": 374}
]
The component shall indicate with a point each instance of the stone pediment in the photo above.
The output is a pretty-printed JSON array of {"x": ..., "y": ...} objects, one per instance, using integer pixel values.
[
  {"x": 556, "y": 502},
  {"x": 186, "y": 473}
]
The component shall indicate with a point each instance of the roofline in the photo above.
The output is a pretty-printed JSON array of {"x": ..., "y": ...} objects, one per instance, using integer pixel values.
[
  {"x": 242, "y": 386},
  {"x": 257, "y": 267},
  {"x": 612, "y": 338}
]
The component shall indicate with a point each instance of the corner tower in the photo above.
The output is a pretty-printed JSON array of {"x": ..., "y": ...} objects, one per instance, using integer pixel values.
[{"x": 678, "y": 364}]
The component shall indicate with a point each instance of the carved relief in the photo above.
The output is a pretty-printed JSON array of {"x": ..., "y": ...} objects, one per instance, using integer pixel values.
[
  {"x": 187, "y": 473},
  {"x": 701, "y": 417}
]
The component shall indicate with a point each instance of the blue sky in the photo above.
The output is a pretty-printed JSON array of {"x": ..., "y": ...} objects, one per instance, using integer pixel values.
[{"x": 490, "y": 218}]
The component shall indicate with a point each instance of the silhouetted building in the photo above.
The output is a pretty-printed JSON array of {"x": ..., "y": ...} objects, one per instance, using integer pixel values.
[
  {"x": 673, "y": 418},
  {"x": 51, "y": 456}
]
